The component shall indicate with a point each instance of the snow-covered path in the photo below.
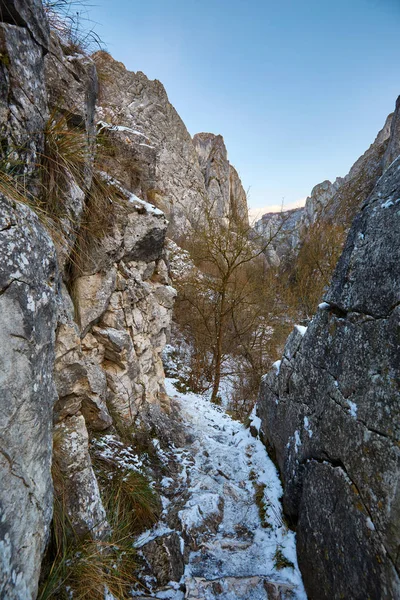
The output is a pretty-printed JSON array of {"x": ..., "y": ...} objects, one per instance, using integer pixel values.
[{"x": 241, "y": 549}]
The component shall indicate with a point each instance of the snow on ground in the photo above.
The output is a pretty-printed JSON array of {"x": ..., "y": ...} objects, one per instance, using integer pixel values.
[{"x": 238, "y": 557}]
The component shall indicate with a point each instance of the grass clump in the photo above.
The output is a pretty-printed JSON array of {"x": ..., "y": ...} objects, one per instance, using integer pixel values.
[
  {"x": 71, "y": 21},
  {"x": 85, "y": 568},
  {"x": 260, "y": 501},
  {"x": 132, "y": 501},
  {"x": 280, "y": 560},
  {"x": 65, "y": 156},
  {"x": 82, "y": 567}
]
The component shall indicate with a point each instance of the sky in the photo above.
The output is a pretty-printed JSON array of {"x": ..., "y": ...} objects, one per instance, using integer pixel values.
[{"x": 298, "y": 88}]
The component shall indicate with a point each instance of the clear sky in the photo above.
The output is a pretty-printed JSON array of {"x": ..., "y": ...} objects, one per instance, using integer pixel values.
[{"x": 298, "y": 88}]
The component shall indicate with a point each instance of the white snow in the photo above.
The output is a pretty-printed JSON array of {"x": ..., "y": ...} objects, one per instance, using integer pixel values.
[
  {"x": 221, "y": 467},
  {"x": 370, "y": 524},
  {"x": 387, "y": 204},
  {"x": 353, "y": 408},
  {"x": 307, "y": 427},
  {"x": 255, "y": 421},
  {"x": 297, "y": 441},
  {"x": 324, "y": 306},
  {"x": 301, "y": 329},
  {"x": 150, "y": 208},
  {"x": 103, "y": 125},
  {"x": 277, "y": 366},
  {"x": 149, "y": 536}
]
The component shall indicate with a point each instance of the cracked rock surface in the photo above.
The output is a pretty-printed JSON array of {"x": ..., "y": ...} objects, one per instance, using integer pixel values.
[
  {"x": 27, "y": 323},
  {"x": 330, "y": 415}
]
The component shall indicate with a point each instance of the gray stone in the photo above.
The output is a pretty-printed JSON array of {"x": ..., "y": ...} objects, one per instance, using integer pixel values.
[
  {"x": 92, "y": 294},
  {"x": 225, "y": 194},
  {"x": 75, "y": 480},
  {"x": 154, "y": 156},
  {"x": 330, "y": 415},
  {"x": 165, "y": 558},
  {"x": 23, "y": 109},
  {"x": 28, "y": 15},
  {"x": 28, "y": 310}
]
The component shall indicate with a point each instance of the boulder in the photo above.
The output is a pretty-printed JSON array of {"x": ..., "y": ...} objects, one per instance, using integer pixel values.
[
  {"x": 28, "y": 312},
  {"x": 330, "y": 415}
]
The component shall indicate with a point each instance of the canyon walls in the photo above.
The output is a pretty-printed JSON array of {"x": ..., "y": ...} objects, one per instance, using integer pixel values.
[{"x": 330, "y": 414}]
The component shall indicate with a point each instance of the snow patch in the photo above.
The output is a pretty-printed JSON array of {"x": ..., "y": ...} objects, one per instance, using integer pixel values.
[
  {"x": 255, "y": 421},
  {"x": 353, "y": 408},
  {"x": 103, "y": 125},
  {"x": 387, "y": 204},
  {"x": 324, "y": 306},
  {"x": 277, "y": 366},
  {"x": 301, "y": 329},
  {"x": 370, "y": 524},
  {"x": 307, "y": 427},
  {"x": 297, "y": 441}
]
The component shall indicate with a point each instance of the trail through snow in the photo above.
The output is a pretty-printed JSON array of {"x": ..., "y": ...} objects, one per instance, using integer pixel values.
[{"x": 242, "y": 550}]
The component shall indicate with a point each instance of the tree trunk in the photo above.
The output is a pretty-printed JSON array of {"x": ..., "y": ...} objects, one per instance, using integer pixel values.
[{"x": 218, "y": 350}]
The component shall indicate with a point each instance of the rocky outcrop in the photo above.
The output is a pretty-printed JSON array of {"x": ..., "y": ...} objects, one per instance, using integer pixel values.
[
  {"x": 28, "y": 285},
  {"x": 336, "y": 202},
  {"x": 330, "y": 414},
  {"x": 153, "y": 154},
  {"x": 237, "y": 197},
  {"x": 149, "y": 135},
  {"x": 282, "y": 229},
  {"x": 28, "y": 277},
  {"x": 85, "y": 316},
  {"x": 225, "y": 193}
]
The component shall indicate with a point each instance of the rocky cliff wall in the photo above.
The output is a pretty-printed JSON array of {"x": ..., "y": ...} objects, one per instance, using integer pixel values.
[
  {"x": 28, "y": 286},
  {"x": 330, "y": 414},
  {"x": 224, "y": 189},
  {"x": 166, "y": 167},
  {"x": 86, "y": 306},
  {"x": 336, "y": 202}
]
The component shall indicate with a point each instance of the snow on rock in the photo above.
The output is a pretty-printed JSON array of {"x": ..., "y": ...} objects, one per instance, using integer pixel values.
[
  {"x": 324, "y": 306},
  {"x": 149, "y": 208},
  {"x": 301, "y": 329},
  {"x": 234, "y": 539},
  {"x": 255, "y": 420},
  {"x": 307, "y": 427},
  {"x": 353, "y": 408},
  {"x": 103, "y": 125},
  {"x": 277, "y": 366}
]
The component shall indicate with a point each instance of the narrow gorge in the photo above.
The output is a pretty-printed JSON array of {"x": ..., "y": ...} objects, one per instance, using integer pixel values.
[{"x": 145, "y": 451}]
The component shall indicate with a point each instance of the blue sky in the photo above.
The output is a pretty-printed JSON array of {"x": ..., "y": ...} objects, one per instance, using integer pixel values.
[{"x": 298, "y": 88}]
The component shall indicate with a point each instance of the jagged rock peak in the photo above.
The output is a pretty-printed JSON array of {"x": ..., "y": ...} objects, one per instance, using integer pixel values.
[
  {"x": 150, "y": 137},
  {"x": 223, "y": 185}
]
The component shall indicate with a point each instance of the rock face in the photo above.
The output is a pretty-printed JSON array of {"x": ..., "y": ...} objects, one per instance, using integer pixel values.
[
  {"x": 28, "y": 282},
  {"x": 149, "y": 133},
  {"x": 224, "y": 189},
  {"x": 330, "y": 415},
  {"x": 165, "y": 166},
  {"x": 339, "y": 201},
  {"x": 283, "y": 225},
  {"x": 28, "y": 317},
  {"x": 84, "y": 318}
]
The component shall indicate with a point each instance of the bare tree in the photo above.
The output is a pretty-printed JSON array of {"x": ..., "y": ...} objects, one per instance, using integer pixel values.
[{"x": 220, "y": 301}]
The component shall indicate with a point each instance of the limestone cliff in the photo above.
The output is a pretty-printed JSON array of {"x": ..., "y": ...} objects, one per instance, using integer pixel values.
[
  {"x": 224, "y": 189},
  {"x": 153, "y": 154},
  {"x": 85, "y": 316},
  {"x": 330, "y": 413},
  {"x": 336, "y": 202},
  {"x": 28, "y": 285}
]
